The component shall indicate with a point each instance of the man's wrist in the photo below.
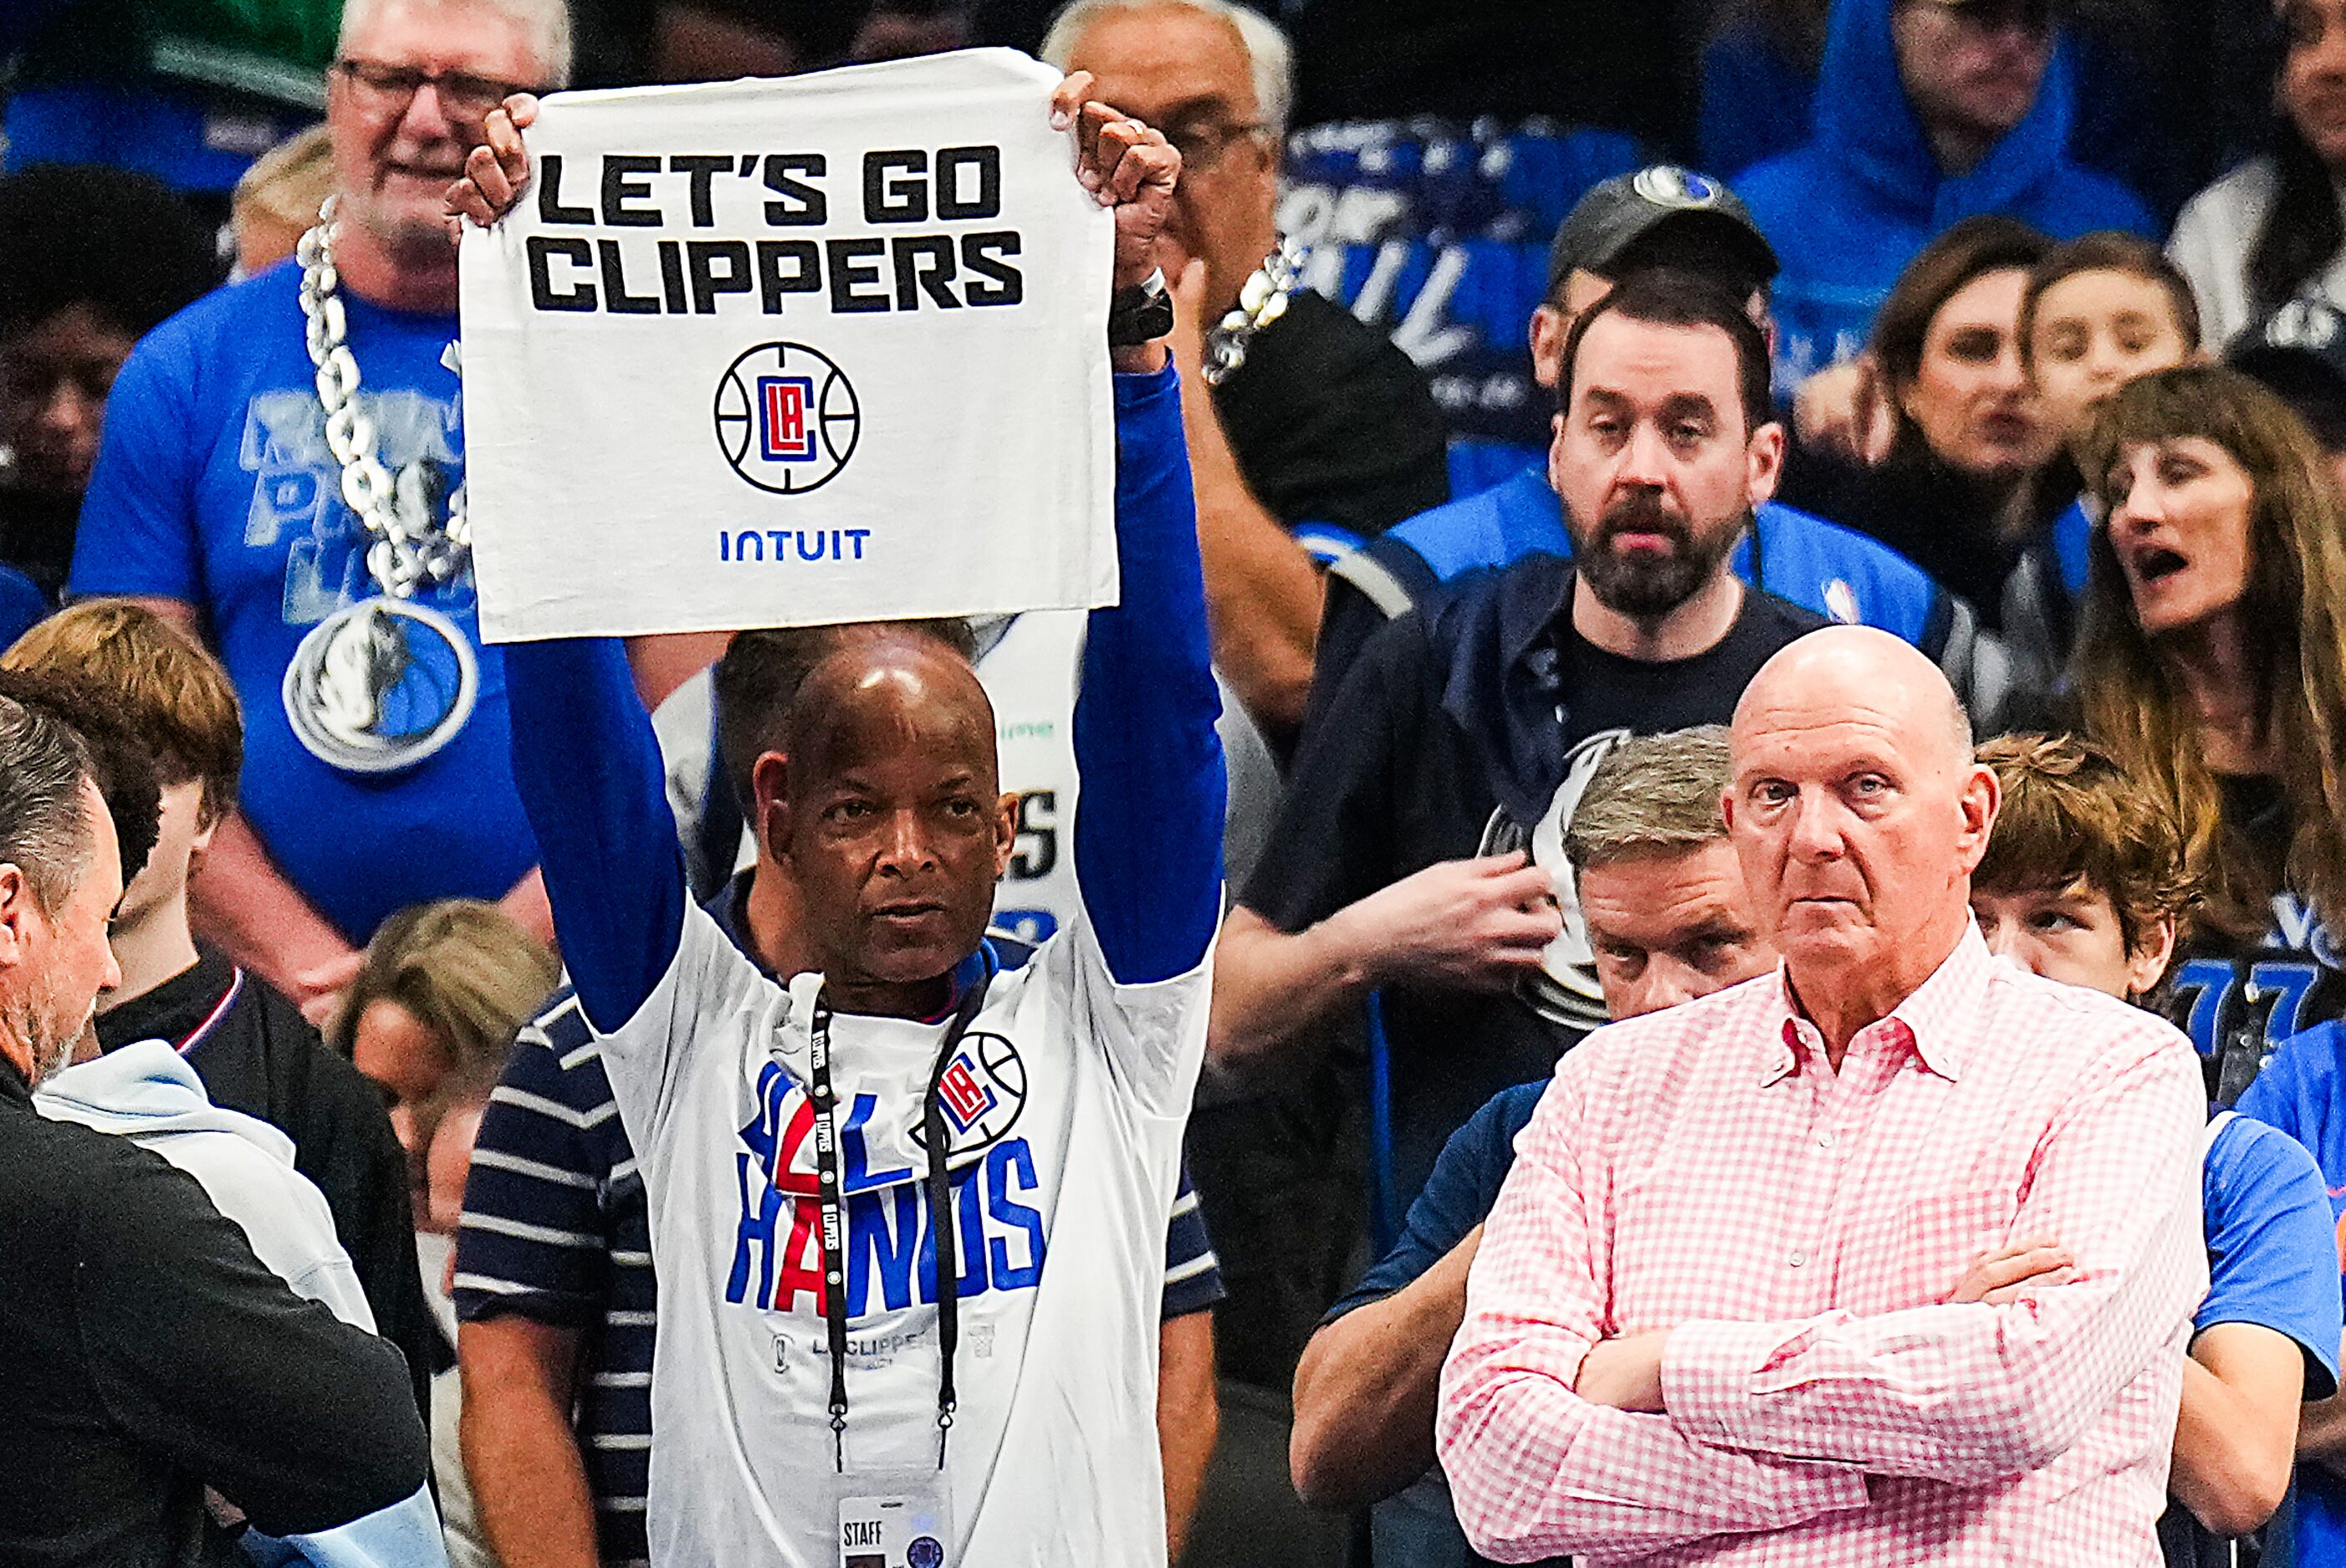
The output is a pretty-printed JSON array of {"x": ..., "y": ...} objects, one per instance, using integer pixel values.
[{"x": 1140, "y": 313}]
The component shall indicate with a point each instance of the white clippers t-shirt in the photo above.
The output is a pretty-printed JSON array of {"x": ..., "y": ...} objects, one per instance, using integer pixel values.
[{"x": 1065, "y": 1103}]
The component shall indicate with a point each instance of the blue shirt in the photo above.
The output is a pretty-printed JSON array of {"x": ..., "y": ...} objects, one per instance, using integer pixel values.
[
  {"x": 1850, "y": 209},
  {"x": 2302, "y": 1091},
  {"x": 1457, "y": 1196},
  {"x": 2272, "y": 1253},
  {"x": 21, "y": 603},
  {"x": 214, "y": 486}
]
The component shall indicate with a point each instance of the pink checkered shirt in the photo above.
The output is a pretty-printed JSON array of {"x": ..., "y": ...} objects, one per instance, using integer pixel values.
[{"x": 1704, "y": 1170}]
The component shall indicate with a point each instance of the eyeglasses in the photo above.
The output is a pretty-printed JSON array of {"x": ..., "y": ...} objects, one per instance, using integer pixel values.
[
  {"x": 1206, "y": 143},
  {"x": 381, "y": 89}
]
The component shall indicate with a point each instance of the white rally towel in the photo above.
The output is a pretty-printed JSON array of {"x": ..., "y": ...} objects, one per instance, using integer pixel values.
[{"x": 785, "y": 352}]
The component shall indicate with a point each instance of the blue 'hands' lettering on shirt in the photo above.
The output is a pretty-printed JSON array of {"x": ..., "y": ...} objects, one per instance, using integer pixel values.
[
  {"x": 1000, "y": 1242},
  {"x": 1003, "y": 1162}
]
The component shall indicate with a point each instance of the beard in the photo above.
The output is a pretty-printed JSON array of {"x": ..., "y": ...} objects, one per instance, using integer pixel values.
[
  {"x": 50, "y": 1029},
  {"x": 1645, "y": 585}
]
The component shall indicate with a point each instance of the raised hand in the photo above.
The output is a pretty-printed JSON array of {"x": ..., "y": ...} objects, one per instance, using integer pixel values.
[
  {"x": 1125, "y": 165},
  {"x": 496, "y": 172},
  {"x": 1478, "y": 924}
]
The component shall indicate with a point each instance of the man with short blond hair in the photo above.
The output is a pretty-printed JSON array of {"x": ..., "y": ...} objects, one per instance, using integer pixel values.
[
  {"x": 1711, "y": 1319},
  {"x": 1670, "y": 921}
]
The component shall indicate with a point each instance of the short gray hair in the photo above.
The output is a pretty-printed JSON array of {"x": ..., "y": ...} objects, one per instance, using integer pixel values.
[
  {"x": 1652, "y": 793},
  {"x": 546, "y": 23},
  {"x": 1270, "y": 58},
  {"x": 44, "y": 830}
]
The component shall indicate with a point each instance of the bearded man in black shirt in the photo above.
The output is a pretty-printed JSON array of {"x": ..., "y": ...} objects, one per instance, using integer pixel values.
[
  {"x": 1308, "y": 431},
  {"x": 1418, "y": 854}
]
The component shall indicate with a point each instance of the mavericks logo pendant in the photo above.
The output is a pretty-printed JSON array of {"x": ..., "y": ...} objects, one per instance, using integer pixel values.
[{"x": 379, "y": 686}]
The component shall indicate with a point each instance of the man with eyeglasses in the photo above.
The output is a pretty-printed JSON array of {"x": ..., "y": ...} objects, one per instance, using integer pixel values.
[
  {"x": 1308, "y": 432},
  {"x": 1927, "y": 111},
  {"x": 282, "y": 472}
]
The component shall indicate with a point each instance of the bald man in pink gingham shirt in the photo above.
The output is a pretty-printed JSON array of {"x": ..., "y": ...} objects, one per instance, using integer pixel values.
[{"x": 1710, "y": 1320}]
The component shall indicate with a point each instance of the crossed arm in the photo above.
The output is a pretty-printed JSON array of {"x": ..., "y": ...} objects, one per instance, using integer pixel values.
[{"x": 1756, "y": 1426}]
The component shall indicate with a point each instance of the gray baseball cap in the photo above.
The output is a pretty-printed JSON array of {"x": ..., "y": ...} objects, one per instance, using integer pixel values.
[{"x": 1627, "y": 211}]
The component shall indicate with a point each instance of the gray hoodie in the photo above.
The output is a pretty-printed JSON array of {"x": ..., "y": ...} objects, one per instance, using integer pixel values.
[{"x": 147, "y": 1093}]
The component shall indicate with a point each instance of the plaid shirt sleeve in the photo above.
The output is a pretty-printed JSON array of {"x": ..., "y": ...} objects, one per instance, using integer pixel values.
[
  {"x": 1537, "y": 1471},
  {"x": 1970, "y": 1392}
]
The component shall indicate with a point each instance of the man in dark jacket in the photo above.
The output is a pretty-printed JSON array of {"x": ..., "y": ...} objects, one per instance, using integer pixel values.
[
  {"x": 151, "y": 1353},
  {"x": 252, "y": 1048}
]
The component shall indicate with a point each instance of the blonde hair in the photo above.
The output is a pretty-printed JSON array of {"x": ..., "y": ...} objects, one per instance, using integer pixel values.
[
  {"x": 2294, "y": 619},
  {"x": 466, "y": 972},
  {"x": 1652, "y": 794},
  {"x": 287, "y": 183},
  {"x": 166, "y": 687}
]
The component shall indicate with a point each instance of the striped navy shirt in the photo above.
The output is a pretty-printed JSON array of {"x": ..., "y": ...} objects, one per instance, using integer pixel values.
[{"x": 555, "y": 1231}]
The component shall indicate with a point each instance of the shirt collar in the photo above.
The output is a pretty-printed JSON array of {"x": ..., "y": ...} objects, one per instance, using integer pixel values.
[{"x": 1939, "y": 1017}]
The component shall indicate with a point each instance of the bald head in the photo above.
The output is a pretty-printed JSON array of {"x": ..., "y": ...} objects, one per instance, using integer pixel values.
[
  {"x": 882, "y": 809},
  {"x": 1836, "y": 665},
  {"x": 1858, "y": 813},
  {"x": 883, "y": 691}
]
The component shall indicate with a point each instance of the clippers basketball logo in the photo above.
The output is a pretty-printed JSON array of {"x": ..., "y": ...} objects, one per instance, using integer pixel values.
[
  {"x": 982, "y": 1091},
  {"x": 782, "y": 418},
  {"x": 787, "y": 419}
]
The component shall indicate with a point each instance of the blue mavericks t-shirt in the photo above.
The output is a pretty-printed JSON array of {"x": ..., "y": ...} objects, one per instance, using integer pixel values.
[
  {"x": 2302, "y": 1091},
  {"x": 214, "y": 485}
]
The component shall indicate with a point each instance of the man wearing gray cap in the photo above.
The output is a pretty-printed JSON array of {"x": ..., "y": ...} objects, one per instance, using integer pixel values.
[{"x": 1670, "y": 217}]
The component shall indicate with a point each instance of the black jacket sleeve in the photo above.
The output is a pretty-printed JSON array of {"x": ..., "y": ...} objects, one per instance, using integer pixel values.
[{"x": 300, "y": 1419}]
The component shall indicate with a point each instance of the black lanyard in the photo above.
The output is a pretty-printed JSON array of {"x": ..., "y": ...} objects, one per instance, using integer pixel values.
[{"x": 834, "y": 1218}]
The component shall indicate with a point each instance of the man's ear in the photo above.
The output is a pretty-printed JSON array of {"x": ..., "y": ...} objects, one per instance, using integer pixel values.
[
  {"x": 1763, "y": 462},
  {"x": 770, "y": 814},
  {"x": 1549, "y": 328},
  {"x": 18, "y": 914},
  {"x": 1005, "y": 832},
  {"x": 1981, "y": 796}
]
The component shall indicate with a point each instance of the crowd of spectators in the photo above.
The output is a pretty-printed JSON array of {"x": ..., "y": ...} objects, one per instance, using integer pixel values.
[{"x": 1898, "y": 652}]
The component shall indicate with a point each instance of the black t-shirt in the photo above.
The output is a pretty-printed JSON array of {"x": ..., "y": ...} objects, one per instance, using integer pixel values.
[
  {"x": 1331, "y": 424},
  {"x": 1396, "y": 779},
  {"x": 2238, "y": 999},
  {"x": 261, "y": 1057}
]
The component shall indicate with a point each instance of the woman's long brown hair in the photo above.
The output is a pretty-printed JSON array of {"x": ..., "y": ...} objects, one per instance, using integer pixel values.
[{"x": 2293, "y": 614}]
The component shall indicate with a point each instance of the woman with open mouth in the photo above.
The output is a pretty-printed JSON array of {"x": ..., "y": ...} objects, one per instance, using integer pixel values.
[{"x": 2212, "y": 663}]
